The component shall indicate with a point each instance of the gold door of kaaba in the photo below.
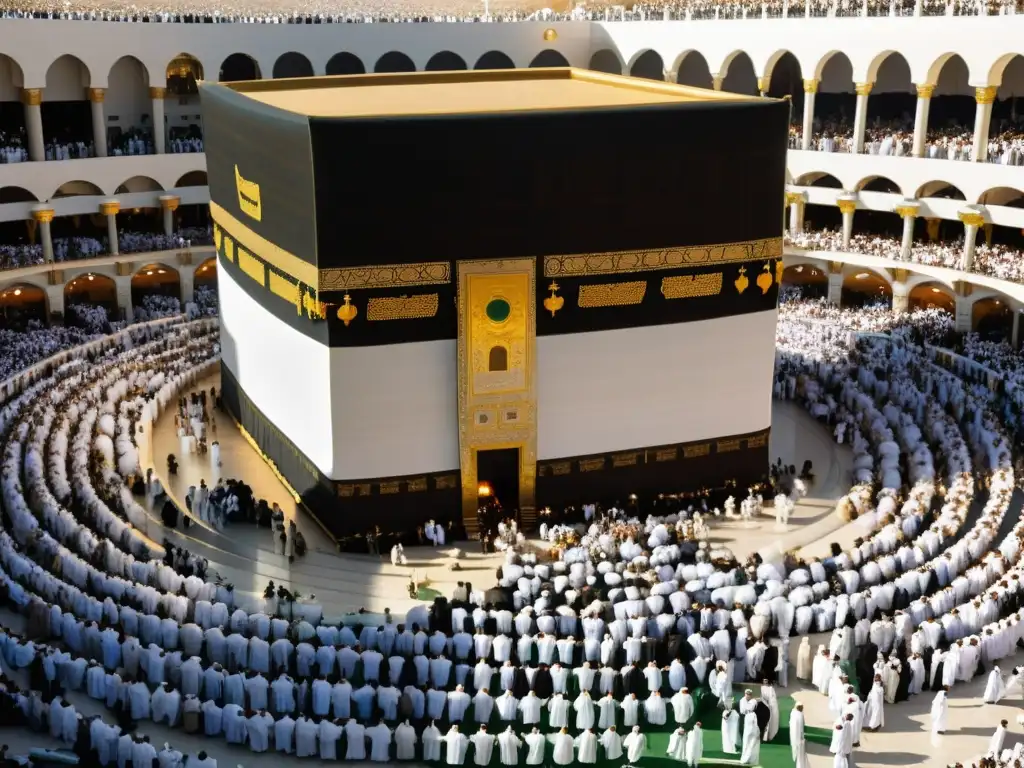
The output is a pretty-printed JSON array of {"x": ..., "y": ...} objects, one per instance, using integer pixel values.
[{"x": 497, "y": 374}]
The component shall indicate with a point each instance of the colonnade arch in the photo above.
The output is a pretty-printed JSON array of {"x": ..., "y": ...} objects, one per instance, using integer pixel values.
[
  {"x": 292, "y": 64},
  {"x": 394, "y": 61},
  {"x": 606, "y": 61},
  {"x": 239, "y": 67},
  {"x": 445, "y": 61},
  {"x": 345, "y": 63},
  {"x": 21, "y": 304},
  {"x": 155, "y": 280},
  {"x": 494, "y": 60}
]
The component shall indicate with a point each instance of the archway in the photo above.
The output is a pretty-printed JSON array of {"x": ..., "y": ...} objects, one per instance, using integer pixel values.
[
  {"x": 494, "y": 60},
  {"x": 893, "y": 96},
  {"x": 1008, "y": 196},
  {"x": 879, "y": 184},
  {"x": 183, "y": 73},
  {"x": 152, "y": 285},
  {"x": 606, "y": 61},
  {"x": 292, "y": 64},
  {"x": 1011, "y": 90},
  {"x": 206, "y": 273},
  {"x": 787, "y": 80},
  {"x": 446, "y": 61},
  {"x": 22, "y": 306},
  {"x": 835, "y": 103},
  {"x": 76, "y": 188},
  {"x": 345, "y": 63},
  {"x": 866, "y": 287},
  {"x": 952, "y": 104},
  {"x": 12, "y": 113},
  {"x": 548, "y": 58},
  {"x": 127, "y": 99},
  {"x": 394, "y": 61},
  {"x": 992, "y": 319},
  {"x": 16, "y": 195},
  {"x": 740, "y": 76},
  {"x": 90, "y": 289},
  {"x": 932, "y": 296},
  {"x": 192, "y": 179},
  {"x": 67, "y": 114},
  {"x": 138, "y": 184},
  {"x": 239, "y": 67},
  {"x": 940, "y": 189},
  {"x": 648, "y": 65},
  {"x": 694, "y": 70},
  {"x": 812, "y": 281}
]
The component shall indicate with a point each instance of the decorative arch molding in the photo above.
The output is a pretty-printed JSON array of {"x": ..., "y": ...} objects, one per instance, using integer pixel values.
[
  {"x": 727, "y": 62},
  {"x": 884, "y": 274},
  {"x": 870, "y": 75},
  {"x": 153, "y": 266},
  {"x": 819, "y": 68},
  {"x": 775, "y": 58},
  {"x": 916, "y": 280},
  {"x": 868, "y": 180},
  {"x": 936, "y": 67},
  {"x": 998, "y": 68},
  {"x": 83, "y": 72}
]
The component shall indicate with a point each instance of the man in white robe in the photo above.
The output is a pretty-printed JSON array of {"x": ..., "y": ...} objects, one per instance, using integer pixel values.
[
  {"x": 508, "y": 747},
  {"x": 563, "y": 751},
  {"x": 837, "y": 747},
  {"x": 874, "y": 707},
  {"x": 586, "y": 747},
  {"x": 682, "y": 706},
  {"x": 258, "y": 729},
  {"x": 431, "y": 739},
  {"x": 730, "y": 731},
  {"x": 751, "y": 754},
  {"x": 611, "y": 742},
  {"x": 355, "y": 740},
  {"x": 457, "y": 744},
  {"x": 380, "y": 742},
  {"x": 654, "y": 709},
  {"x": 535, "y": 745},
  {"x": 635, "y": 745},
  {"x": 769, "y": 697},
  {"x": 483, "y": 745},
  {"x": 797, "y": 743},
  {"x": 994, "y": 688},
  {"x": 940, "y": 712},
  {"x": 995, "y": 744},
  {"x": 677, "y": 744},
  {"x": 306, "y": 735},
  {"x": 695, "y": 745},
  {"x": 405, "y": 741}
]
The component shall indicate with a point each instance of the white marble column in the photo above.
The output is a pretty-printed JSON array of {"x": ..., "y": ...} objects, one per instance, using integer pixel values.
[
  {"x": 716, "y": 81},
  {"x": 973, "y": 221},
  {"x": 810, "y": 89},
  {"x": 110, "y": 209},
  {"x": 670, "y": 75},
  {"x": 982, "y": 121},
  {"x": 168, "y": 205},
  {"x": 796, "y": 202},
  {"x": 847, "y": 205},
  {"x": 964, "y": 315},
  {"x": 860, "y": 119},
  {"x": 156, "y": 96},
  {"x": 99, "y": 121},
  {"x": 763, "y": 84},
  {"x": 32, "y": 100},
  {"x": 43, "y": 215},
  {"x": 123, "y": 284},
  {"x": 908, "y": 212},
  {"x": 900, "y": 298},
  {"x": 924, "y": 100},
  {"x": 1015, "y": 333}
]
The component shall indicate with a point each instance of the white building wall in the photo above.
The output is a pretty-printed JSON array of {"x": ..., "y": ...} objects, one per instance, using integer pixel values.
[{"x": 127, "y": 97}]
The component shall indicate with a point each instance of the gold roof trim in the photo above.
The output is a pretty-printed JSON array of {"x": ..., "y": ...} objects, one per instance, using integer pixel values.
[
  {"x": 661, "y": 258},
  {"x": 259, "y": 246}
]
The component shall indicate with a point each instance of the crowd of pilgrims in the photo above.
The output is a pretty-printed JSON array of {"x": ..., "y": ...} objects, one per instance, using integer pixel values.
[
  {"x": 79, "y": 247},
  {"x": 572, "y": 660},
  {"x": 1000, "y": 261},
  {"x": 455, "y": 11},
  {"x": 895, "y": 138}
]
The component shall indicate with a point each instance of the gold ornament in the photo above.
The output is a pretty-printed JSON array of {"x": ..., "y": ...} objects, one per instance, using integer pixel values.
[
  {"x": 550, "y": 35},
  {"x": 741, "y": 282},
  {"x": 779, "y": 269},
  {"x": 554, "y": 302},
  {"x": 347, "y": 312},
  {"x": 764, "y": 280}
]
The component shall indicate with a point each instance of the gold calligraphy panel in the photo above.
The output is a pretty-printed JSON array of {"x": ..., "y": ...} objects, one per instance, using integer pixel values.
[
  {"x": 402, "y": 307},
  {"x": 691, "y": 286},
  {"x": 612, "y": 294}
]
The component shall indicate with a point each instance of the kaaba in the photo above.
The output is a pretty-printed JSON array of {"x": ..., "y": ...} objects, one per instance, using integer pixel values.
[{"x": 546, "y": 286}]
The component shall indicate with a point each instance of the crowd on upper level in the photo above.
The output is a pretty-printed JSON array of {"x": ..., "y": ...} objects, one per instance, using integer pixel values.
[
  {"x": 134, "y": 141},
  {"x": 75, "y": 248},
  {"x": 895, "y": 138},
  {"x": 411, "y": 11},
  {"x": 995, "y": 260}
]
